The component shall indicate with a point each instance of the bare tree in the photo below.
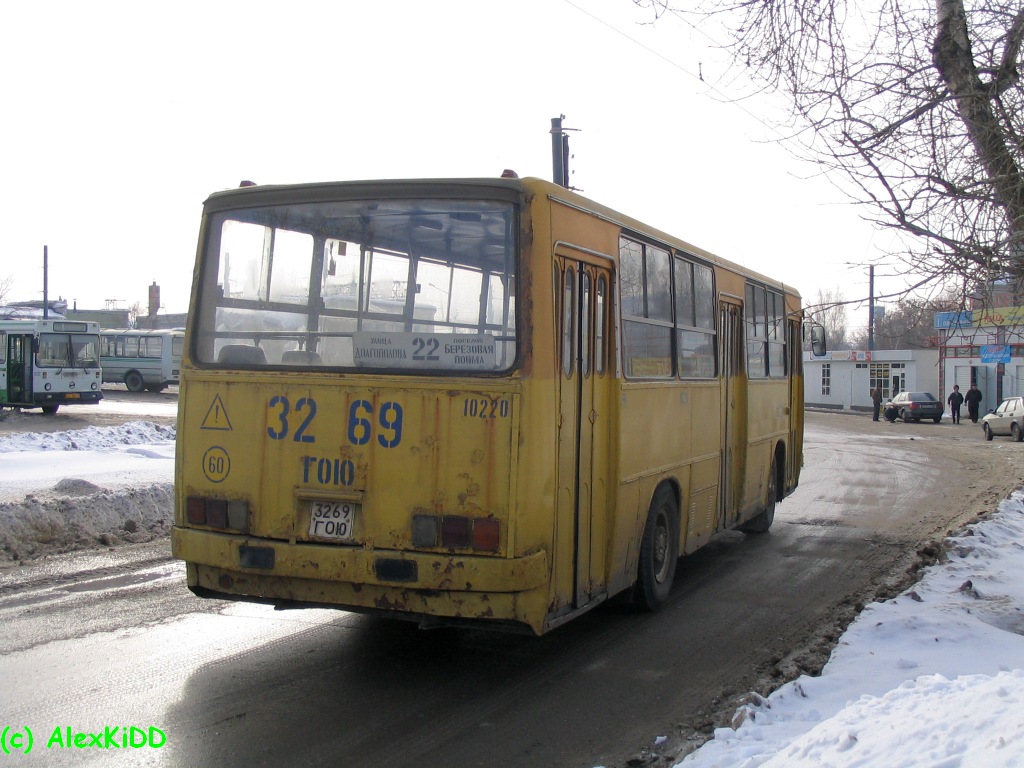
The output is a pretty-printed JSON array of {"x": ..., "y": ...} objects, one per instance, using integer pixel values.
[
  {"x": 5, "y": 288},
  {"x": 908, "y": 324},
  {"x": 133, "y": 314},
  {"x": 829, "y": 309},
  {"x": 917, "y": 107}
]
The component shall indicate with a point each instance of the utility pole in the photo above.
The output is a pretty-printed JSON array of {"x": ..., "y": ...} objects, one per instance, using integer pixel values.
[
  {"x": 46, "y": 298},
  {"x": 871, "y": 308}
]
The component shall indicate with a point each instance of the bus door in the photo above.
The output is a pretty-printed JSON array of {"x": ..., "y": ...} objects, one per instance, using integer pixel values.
[
  {"x": 19, "y": 368},
  {"x": 584, "y": 411},
  {"x": 795, "y": 372},
  {"x": 734, "y": 411}
]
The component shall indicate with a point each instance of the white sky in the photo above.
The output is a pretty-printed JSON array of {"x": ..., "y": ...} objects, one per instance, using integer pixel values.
[{"x": 122, "y": 117}]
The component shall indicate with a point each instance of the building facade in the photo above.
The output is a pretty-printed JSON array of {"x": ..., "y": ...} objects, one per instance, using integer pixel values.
[
  {"x": 984, "y": 347},
  {"x": 843, "y": 378}
]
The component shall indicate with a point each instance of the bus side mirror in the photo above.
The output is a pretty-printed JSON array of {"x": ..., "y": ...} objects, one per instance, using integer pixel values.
[
  {"x": 818, "y": 346},
  {"x": 35, "y": 345}
]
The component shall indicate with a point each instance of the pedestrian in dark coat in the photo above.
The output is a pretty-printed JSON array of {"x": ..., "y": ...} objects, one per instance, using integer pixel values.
[
  {"x": 955, "y": 400},
  {"x": 876, "y": 402},
  {"x": 973, "y": 400}
]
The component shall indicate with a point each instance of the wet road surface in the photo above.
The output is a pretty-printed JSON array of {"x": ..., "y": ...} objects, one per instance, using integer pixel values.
[{"x": 112, "y": 638}]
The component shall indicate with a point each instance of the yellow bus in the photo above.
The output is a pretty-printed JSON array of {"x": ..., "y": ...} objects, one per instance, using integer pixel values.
[{"x": 481, "y": 401}]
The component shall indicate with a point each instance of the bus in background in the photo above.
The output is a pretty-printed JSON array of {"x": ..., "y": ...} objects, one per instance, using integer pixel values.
[
  {"x": 142, "y": 359},
  {"x": 481, "y": 401},
  {"x": 46, "y": 363}
]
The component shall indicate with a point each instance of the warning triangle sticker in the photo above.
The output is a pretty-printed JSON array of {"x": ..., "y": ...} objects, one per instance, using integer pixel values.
[{"x": 217, "y": 416}]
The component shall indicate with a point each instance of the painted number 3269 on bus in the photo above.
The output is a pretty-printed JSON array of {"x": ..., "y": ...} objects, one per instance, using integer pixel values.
[{"x": 332, "y": 519}]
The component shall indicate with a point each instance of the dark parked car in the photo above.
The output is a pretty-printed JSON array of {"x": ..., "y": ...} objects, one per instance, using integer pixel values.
[
  {"x": 914, "y": 406},
  {"x": 1007, "y": 419}
]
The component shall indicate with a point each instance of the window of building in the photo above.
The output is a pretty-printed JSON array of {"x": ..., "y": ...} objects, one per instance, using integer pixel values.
[
  {"x": 879, "y": 377},
  {"x": 826, "y": 378}
]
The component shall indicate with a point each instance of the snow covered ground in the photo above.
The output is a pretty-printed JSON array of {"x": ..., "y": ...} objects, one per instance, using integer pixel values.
[
  {"x": 934, "y": 677},
  {"x": 61, "y": 491}
]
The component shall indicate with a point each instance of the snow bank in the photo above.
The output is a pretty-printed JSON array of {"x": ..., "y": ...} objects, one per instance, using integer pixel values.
[
  {"x": 88, "y": 439},
  {"x": 94, "y": 487},
  {"x": 932, "y": 677}
]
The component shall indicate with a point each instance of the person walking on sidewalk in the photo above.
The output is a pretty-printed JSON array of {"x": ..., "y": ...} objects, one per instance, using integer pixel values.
[{"x": 955, "y": 400}]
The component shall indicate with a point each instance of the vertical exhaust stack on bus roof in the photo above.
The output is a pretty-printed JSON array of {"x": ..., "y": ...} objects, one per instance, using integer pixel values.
[{"x": 560, "y": 152}]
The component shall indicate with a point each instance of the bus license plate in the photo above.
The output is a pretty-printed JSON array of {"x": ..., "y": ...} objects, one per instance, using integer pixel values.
[
  {"x": 72, "y": 395},
  {"x": 332, "y": 519}
]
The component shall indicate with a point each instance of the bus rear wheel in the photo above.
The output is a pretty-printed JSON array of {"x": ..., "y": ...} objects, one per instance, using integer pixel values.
[
  {"x": 659, "y": 552},
  {"x": 134, "y": 381},
  {"x": 50, "y": 408}
]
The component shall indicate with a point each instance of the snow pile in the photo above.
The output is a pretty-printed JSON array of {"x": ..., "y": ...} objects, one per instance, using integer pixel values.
[
  {"x": 115, "y": 485},
  {"x": 89, "y": 439},
  {"x": 932, "y": 677}
]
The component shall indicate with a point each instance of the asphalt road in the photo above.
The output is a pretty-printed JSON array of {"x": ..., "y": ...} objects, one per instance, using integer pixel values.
[{"x": 113, "y": 638}]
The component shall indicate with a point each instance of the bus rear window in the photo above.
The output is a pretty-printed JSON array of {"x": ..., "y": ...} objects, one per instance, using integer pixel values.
[{"x": 405, "y": 285}]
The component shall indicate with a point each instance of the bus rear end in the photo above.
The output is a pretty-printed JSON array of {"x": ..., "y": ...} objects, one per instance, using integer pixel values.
[{"x": 350, "y": 399}]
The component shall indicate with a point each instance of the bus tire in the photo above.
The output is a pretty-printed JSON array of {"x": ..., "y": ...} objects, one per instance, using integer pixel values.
[
  {"x": 659, "y": 552},
  {"x": 156, "y": 387},
  {"x": 762, "y": 522},
  {"x": 134, "y": 381},
  {"x": 50, "y": 408}
]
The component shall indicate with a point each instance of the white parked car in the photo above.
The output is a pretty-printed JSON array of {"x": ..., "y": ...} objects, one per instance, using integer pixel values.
[{"x": 1007, "y": 419}]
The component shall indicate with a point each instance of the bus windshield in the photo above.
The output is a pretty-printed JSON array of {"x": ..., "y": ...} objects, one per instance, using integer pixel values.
[
  {"x": 73, "y": 350},
  {"x": 409, "y": 285}
]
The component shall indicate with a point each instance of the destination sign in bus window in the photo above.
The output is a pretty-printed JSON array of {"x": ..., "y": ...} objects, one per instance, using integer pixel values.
[{"x": 449, "y": 351}]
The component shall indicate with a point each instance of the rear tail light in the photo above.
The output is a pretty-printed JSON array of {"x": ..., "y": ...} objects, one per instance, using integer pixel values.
[
  {"x": 231, "y": 515},
  {"x": 486, "y": 533},
  {"x": 456, "y": 532}
]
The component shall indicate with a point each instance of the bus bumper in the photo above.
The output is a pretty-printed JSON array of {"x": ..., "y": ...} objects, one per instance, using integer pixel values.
[
  {"x": 67, "y": 398},
  {"x": 403, "y": 584}
]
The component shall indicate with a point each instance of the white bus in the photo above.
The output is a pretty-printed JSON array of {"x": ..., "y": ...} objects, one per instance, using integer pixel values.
[
  {"x": 47, "y": 363},
  {"x": 142, "y": 359}
]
